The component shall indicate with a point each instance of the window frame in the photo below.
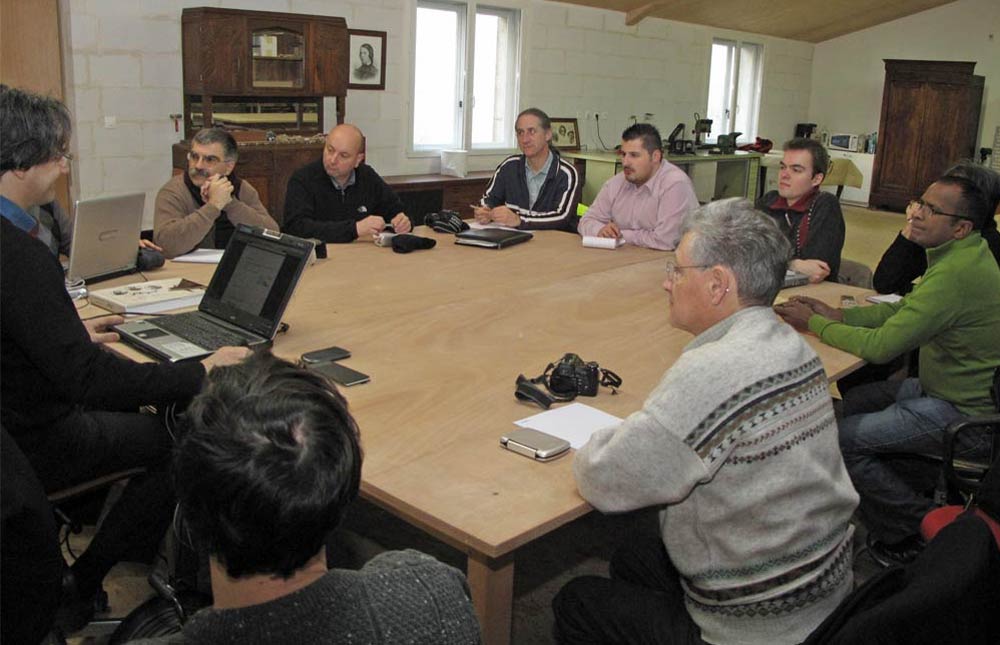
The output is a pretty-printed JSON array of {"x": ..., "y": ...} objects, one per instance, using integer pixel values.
[
  {"x": 732, "y": 82},
  {"x": 467, "y": 75}
]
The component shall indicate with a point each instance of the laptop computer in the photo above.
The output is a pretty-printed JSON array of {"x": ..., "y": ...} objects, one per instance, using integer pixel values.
[
  {"x": 105, "y": 237},
  {"x": 242, "y": 306}
]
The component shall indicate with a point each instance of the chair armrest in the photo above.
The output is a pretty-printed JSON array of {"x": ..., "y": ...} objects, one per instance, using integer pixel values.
[{"x": 987, "y": 423}]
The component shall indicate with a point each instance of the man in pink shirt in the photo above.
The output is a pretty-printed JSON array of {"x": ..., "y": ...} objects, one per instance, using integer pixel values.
[{"x": 645, "y": 203}]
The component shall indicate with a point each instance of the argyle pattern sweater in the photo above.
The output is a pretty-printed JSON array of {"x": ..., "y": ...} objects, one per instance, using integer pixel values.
[{"x": 738, "y": 444}]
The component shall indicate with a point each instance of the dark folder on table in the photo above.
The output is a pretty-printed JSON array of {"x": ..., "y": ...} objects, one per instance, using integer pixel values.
[{"x": 492, "y": 238}]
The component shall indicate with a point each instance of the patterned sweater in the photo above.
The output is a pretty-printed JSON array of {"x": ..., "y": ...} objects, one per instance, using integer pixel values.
[{"x": 738, "y": 443}]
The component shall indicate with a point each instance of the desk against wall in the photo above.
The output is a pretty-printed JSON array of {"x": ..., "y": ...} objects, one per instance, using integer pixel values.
[
  {"x": 444, "y": 334},
  {"x": 714, "y": 176}
]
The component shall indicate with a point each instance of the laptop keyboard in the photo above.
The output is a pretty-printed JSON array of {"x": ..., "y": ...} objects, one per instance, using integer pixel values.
[{"x": 200, "y": 331}]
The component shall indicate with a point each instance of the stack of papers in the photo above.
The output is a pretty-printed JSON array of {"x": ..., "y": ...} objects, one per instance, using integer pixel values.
[
  {"x": 202, "y": 256},
  {"x": 574, "y": 423},
  {"x": 594, "y": 242}
]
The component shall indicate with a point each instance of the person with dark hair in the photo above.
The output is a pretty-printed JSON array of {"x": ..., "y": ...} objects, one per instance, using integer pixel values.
[
  {"x": 645, "y": 203},
  {"x": 71, "y": 406},
  {"x": 266, "y": 471},
  {"x": 24, "y": 155},
  {"x": 31, "y": 162},
  {"x": 953, "y": 317},
  {"x": 737, "y": 449},
  {"x": 340, "y": 198},
  {"x": 536, "y": 189},
  {"x": 905, "y": 260},
  {"x": 810, "y": 219},
  {"x": 201, "y": 208}
]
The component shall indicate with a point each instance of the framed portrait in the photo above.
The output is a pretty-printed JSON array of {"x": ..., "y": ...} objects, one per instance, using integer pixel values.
[
  {"x": 367, "y": 64},
  {"x": 565, "y": 133}
]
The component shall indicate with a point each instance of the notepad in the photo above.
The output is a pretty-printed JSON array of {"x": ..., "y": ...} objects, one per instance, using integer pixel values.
[
  {"x": 594, "y": 242},
  {"x": 885, "y": 297},
  {"x": 574, "y": 422}
]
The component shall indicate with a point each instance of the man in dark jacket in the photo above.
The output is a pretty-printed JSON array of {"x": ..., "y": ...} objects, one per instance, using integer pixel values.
[
  {"x": 341, "y": 198},
  {"x": 536, "y": 189}
]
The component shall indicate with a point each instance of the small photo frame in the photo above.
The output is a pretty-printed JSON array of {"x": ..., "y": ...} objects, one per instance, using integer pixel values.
[
  {"x": 565, "y": 133},
  {"x": 367, "y": 59}
]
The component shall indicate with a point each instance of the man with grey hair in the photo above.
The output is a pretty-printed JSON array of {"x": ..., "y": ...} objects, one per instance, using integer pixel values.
[
  {"x": 737, "y": 448},
  {"x": 201, "y": 208}
]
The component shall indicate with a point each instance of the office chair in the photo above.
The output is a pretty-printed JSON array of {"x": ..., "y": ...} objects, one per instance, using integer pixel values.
[{"x": 949, "y": 594}]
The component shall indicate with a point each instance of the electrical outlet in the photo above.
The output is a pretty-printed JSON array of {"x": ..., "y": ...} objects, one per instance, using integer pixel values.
[
  {"x": 586, "y": 115},
  {"x": 110, "y": 121},
  {"x": 604, "y": 115}
]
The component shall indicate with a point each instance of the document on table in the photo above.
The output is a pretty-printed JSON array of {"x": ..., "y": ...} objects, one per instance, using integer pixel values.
[
  {"x": 595, "y": 242},
  {"x": 885, "y": 297},
  {"x": 201, "y": 256},
  {"x": 574, "y": 422}
]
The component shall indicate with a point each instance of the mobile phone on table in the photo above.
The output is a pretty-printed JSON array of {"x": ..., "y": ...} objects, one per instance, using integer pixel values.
[
  {"x": 325, "y": 355},
  {"x": 846, "y": 302},
  {"x": 340, "y": 373},
  {"x": 538, "y": 445}
]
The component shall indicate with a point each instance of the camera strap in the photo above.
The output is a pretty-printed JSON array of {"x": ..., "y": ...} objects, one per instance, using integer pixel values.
[
  {"x": 536, "y": 390},
  {"x": 610, "y": 380}
]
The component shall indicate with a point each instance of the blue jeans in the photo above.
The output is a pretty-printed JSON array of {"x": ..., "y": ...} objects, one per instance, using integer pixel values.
[{"x": 888, "y": 427}]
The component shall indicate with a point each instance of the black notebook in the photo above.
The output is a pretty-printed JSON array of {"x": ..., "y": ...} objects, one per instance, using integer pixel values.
[{"x": 492, "y": 238}]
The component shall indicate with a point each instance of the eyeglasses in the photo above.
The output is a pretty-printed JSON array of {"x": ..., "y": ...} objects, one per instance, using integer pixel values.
[
  {"x": 674, "y": 270},
  {"x": 63, "y": 156},
  {"x": 194, "y": 157},
  {"x": 922, "y": 206}
]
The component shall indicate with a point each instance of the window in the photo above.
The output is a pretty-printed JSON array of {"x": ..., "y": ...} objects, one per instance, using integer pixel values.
[
  {"x": 734, "y": 88},
  {"x": 465, "y": 96}
]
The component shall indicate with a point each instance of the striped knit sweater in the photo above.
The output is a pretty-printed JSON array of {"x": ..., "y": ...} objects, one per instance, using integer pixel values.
[{"x": 738, "y": 442}]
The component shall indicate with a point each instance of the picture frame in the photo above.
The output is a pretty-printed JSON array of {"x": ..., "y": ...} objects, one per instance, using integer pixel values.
[
  {"x": 565, "y": 133},
  {"x": 366, "y": 66}
]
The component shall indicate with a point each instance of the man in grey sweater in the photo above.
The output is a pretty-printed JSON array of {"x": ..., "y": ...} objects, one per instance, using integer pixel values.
[
  {"x": 737, "y": 446},
  {"x": 267, "y": 470}
]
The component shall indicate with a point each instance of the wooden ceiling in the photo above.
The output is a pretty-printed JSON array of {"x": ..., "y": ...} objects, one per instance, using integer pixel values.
[{"x": 811, "y": 22}]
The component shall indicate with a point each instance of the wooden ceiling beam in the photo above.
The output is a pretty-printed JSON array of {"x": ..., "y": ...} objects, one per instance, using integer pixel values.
[{"x": 635, "y": 15}]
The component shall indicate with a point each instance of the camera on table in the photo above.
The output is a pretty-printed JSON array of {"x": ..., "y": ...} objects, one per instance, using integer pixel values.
[
  {"x": 564, "y": 380},
  {"x": 571, "y": 375}
]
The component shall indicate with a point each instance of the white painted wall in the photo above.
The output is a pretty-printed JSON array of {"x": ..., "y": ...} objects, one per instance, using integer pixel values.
[
  {"x": 848, "y": 73},
  {"x": 123, "y": 60}
]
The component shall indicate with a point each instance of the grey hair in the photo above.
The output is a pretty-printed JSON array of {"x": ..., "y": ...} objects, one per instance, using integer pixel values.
[
  {"x": 208, "y": 136},
  {"x": 732, "y": 234}
]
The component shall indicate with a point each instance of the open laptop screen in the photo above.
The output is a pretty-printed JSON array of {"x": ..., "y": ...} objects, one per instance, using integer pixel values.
[{"x": 255, "y": 279}]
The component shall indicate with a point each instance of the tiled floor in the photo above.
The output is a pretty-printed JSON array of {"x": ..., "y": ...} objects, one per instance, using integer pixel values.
[{"x": 580, "y": 548}]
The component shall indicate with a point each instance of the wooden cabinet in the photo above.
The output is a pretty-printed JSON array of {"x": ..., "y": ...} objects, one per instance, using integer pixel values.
[
  {"x": 261, "y": 56},
  {"x": 930, "y": 120}
]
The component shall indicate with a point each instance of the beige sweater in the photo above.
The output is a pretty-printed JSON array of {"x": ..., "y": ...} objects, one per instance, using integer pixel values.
[{"x": 180, "y": 225}]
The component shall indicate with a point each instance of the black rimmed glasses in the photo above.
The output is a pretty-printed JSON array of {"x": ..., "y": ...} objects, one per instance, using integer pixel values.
[
  {"x": 919, "y": 205},
  {"x": 674, "y": 270}
]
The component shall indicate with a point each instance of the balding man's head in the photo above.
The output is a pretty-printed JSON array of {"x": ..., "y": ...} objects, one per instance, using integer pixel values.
[{"x": 344, "y": 151}]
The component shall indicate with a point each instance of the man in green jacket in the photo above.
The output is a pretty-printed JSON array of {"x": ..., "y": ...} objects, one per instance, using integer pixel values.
[{"x": 953, "y": 316}]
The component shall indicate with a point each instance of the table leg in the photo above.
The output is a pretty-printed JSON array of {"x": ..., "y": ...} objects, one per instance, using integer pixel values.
[{"x": 491, "y": 582}]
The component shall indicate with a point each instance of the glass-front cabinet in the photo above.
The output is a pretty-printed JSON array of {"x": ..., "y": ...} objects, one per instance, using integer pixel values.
[
  {"x": 261, "y": 70},
  {"x": 279, "y": 59}
]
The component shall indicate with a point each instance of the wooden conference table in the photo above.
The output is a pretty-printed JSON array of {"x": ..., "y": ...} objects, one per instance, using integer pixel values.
[{"x": 444, "y": 333}]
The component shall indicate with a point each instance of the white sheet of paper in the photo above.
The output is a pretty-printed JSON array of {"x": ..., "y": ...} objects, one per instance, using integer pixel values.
[
  {"x": 886, "y": 297},
  {"x": 574, "y": 422},
  {"x": 202, "y": 256}
]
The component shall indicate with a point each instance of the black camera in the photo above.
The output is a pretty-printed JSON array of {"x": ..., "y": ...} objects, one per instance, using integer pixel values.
[
  {"x": 571, "y": 375},
  {"x": 564, "y": 380}
]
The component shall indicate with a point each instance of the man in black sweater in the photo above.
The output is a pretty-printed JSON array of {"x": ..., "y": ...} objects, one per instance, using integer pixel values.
[
  {"x": 341, "y": 198},
  {"x": 71, "y": 406}
]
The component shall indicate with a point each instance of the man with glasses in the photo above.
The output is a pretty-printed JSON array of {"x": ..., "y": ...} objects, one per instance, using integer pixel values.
[
  {"x": 810, "y": 219},
  {"x": 737, "y": 449},
  {"x": 953, "y": 317},
  {"x": 71, "y": 406},
  {"x": 201, "y": 208}
]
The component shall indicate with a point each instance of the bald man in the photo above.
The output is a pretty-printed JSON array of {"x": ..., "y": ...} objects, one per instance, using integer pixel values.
[{"x": 341, "y": 198}]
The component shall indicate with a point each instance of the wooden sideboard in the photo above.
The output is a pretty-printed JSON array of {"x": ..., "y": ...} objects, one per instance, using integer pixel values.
[{"x": 422, "y": 194}]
